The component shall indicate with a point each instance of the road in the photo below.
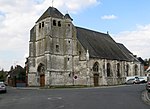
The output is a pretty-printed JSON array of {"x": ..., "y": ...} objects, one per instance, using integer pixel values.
[{"x": 119, "y": 97}]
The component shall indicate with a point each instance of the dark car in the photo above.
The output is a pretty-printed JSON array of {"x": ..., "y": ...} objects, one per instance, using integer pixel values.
[
  {"x": 3, "y": 87},
  {"x": 148, "y": 86}
]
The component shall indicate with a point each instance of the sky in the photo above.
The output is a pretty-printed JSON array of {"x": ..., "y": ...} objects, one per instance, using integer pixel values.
[{"x": 127, "y": 21}]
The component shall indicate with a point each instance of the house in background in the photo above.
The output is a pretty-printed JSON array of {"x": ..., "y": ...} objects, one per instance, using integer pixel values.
[
  {"x": 63, "y": 54},
  {"x": 16, "y": 77}
]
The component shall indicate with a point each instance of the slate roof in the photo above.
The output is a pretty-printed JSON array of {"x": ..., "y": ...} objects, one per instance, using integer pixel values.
[
  {"x": 141, "y": 60},
  {"x": 127, "y": 52},
  {"x": 100, "y": 45},
  {"x": 51, "y": 12},
  {"x": 67, "y": 16}
]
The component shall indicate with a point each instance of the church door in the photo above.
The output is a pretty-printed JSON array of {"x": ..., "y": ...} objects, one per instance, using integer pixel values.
[
  {"x": 41, "y": 73},
  {"x": 96, "y": 79},
  {"x": 42, "y": 80},
  {"x": 96, "y": 74}
]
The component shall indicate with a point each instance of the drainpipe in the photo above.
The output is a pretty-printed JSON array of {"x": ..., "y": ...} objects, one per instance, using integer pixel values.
[{"x": 87, "y": 64}]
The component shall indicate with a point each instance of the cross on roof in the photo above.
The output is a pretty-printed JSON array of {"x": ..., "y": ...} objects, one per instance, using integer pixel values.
[{"x": 52, "y": 2}]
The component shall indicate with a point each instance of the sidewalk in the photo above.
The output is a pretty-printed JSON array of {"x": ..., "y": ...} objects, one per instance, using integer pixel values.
[{"x": 27, "y": 88}]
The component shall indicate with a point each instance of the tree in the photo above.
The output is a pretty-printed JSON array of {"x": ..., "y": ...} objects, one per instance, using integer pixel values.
[
  {"x": 2, "y": 75},
  {"x": 11, "y": 68},
  {"x": 146, "y": 62}
]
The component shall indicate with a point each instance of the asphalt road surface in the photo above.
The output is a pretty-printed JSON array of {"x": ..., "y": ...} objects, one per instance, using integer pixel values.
[{"x": 119, "y": 97}]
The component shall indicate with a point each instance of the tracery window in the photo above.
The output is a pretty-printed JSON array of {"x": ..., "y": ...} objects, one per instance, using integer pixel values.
[
  {"x": 127, "y": 70},
  {"x": 108, "y": 70},
  {"x": 136, "y": 70},
  {"x": 41, "y": 68},
  {"x": 96, "y": 67},
  {"x": 42, "y": 24},
  {"x": 118, "y": 70}
]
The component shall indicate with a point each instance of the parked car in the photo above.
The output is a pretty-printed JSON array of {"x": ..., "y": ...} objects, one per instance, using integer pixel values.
[
  {"x": 3, "y": 87},
  {"x": 148, "y": 86},
  {"x": 133, "y": 81},
  {"x": 142, "y": 80}
]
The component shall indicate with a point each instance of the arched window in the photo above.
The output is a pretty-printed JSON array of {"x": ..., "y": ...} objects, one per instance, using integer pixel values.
[
  {"x": 108, "y": 70},
  {"x": 118, "y": 70},
  {"x": 59, "y": 23},
  {"x": 41, "y": 68},
  {"x": 54, "y": 22},
  {"x": 136, "y": 70},
  {"x": 57, "y": 48},
  {"x": 95, "y": 67},
  {"x": 127, "y": 70}
]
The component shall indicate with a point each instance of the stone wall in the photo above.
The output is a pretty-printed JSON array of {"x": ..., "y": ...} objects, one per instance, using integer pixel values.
[{"x": 54, "y": 45}]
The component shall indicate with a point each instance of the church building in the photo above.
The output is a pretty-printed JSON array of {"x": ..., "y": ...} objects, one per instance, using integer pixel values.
[{"x": 61, "y": 53}]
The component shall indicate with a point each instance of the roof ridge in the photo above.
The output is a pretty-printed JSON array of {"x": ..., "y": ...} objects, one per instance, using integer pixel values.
[
  {"x": 91, "y": 30},
  {"x": 100, "y": 45}
]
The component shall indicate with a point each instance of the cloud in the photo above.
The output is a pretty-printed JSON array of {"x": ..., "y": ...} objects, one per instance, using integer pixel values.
[
  {"x": 136, "y": 41},
  {"x": 108, "y": 17},
  {"x": 17, "y": 17},
  {"x": 73, "y": 6}
]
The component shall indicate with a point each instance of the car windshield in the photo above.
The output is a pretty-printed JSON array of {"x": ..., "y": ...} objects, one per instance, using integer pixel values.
[
  {"x": 1, "y": 83},
  {"x": 131, "y": 79}
]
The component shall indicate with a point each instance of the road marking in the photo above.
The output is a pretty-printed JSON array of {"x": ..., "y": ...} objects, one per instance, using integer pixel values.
[
  {"x": 60, "y": 107},
  {"x": 54, "y": 98},
  {"x": 49, "y": 98}
]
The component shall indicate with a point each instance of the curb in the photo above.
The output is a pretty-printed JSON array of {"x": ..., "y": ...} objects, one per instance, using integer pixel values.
[{"x": 28, "y": 88}]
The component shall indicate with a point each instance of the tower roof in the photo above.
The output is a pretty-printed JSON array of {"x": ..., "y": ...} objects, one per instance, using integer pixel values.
[
  {"x": 51, "y": 12},
  {"x": 67, "y": 16}
]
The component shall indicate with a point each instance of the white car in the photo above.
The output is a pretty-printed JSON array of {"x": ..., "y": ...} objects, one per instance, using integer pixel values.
[
  {"x": 133, "y": 81},
  {"x": 3, "y": 87},
  {"x": 142, "y": 80}
]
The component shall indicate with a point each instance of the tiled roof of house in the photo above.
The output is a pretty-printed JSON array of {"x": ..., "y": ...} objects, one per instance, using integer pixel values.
[{"x": 100, "y": 45}]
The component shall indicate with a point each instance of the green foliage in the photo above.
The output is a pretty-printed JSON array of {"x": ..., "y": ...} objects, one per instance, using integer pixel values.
[
  {"x": 2, "y": 75},
  {"x": 21, "y": 75},
  {"x": 147, "y": 62},
  {"x": 18, "y": 73}
]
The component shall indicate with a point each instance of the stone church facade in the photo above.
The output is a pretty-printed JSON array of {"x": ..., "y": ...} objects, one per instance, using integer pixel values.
[{"x": 63, "y": 54}]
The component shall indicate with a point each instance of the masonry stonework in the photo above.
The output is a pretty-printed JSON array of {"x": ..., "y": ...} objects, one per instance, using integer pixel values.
[{"x": 63, "y": 54}]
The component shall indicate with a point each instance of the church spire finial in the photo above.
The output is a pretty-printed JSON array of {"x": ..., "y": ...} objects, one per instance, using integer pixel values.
[{"x": 52, "y": 2}]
